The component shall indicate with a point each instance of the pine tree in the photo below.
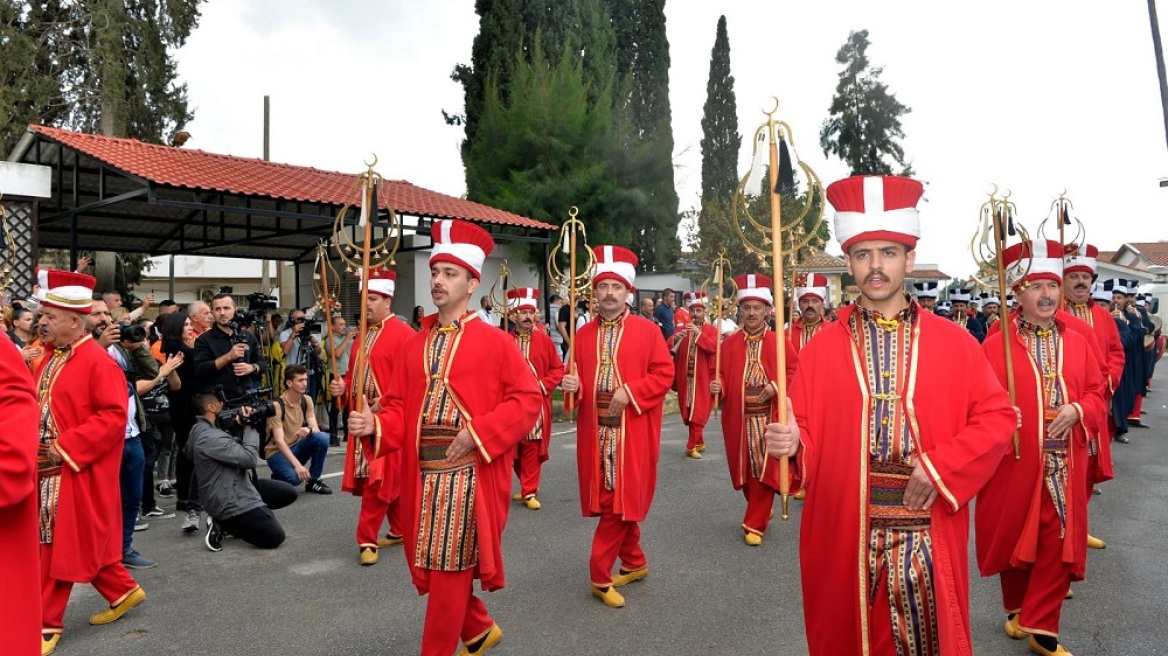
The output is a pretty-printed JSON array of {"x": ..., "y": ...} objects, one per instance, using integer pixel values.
[{"x": 863, "y": 127}]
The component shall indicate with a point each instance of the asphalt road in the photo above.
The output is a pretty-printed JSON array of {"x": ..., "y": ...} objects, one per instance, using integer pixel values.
[{"x": 708, "y": 593}]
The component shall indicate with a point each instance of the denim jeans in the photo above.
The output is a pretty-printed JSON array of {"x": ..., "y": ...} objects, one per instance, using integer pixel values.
[
  {"x": 133, "y": 460},
  {"x": 310, "y": 451}
]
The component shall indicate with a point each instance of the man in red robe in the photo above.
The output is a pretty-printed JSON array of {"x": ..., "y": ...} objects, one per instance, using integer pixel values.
[
  {"x": 693, "y": 368},
  {"x": 377, "y": 482},
  {"x": 747, "y": 383},
  {"x": 20, "y": 615},
  {"x": 623, "y": 371},
  {"x": 460, "y": 398},
  {"x": 1032, "y": 515},
  {"x": 1078, "y": 275},
  {"x": 884, "y": 568},
  {"x": 810, "y": 295},
  {"x": 82, "y": 424},
  {"x": 543, "y": 360}
]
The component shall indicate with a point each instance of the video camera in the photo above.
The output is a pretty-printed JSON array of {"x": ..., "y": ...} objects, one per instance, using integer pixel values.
[
  {"x": 258, "y": 306},
  {"x": 311, "y": 327},
  {"x": 131, "y": 333},
  {"x": 261, "y": 408}
]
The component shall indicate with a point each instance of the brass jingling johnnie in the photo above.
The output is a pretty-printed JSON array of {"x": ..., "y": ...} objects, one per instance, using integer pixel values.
[
  {"x": 721, "y": 283},
  {"x": 368, "y": 254},
  {"x": 766, "y": 239},
  {"x": 996, "y": 225},
  {"x": 500, "y": 301},
  {"x": 573, "y": 281},
  {"x": 1060, "y": 211},
  {"x": 327, "y": 286}
]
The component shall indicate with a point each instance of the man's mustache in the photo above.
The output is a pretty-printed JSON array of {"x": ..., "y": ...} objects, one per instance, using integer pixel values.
[
  {"x": 1046, "y": 303},
  {"x": 876, "y": 275}
]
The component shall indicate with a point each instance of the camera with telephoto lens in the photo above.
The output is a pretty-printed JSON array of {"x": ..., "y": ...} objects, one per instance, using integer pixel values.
[
  {"x": 261, "y": 409},
  {"x": 311, "y": 327}
]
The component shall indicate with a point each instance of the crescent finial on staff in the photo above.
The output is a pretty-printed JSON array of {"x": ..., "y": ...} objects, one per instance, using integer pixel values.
[
  {"x": 374, "y": 155},
  {"x": 775, "y": 110}
]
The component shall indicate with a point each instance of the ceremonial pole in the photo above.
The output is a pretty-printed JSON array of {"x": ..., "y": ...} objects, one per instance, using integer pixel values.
[
  {"x": 769, "y": 240},
  {"x": 326, "y": 302},
  {"x": 572, "y": 237}
]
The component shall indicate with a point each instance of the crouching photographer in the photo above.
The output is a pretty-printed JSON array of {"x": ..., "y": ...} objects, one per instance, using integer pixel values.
[{"x": 237, "y": 503}]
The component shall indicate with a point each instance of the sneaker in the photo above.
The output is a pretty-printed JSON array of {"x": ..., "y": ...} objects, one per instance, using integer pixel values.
[
  {"x": 191, "y": 523},
  {"x": 214, "y": 539},
  {"x": 316, "y": 486},
  {"x": 158, "y": 513},
  {"x": 140, "y": 525},
  {"x": 134, "y": 560},
  {"x": 165, "y": 489}
]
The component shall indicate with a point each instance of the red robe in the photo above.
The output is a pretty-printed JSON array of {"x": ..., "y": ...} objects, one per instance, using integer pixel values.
[
  {"x": 88, "y": 404},
  {"x": 1111, "y": 350},
  {"x": 1007, "y": 508},
  {"x": 20, "y": 608},
  {"x": 734, "y": 404},
  {"x": 547, "y": 367},
  {"x": 1096, "y": 424},
  {"x": 795, "y": 332},
  {"x": 706, "y": 345},
  {"x": 962, "y": 424},
  {"x": 645, "y": 370},
  {"x": 499, "y": 401},
  {"x": 390, "y": 337}
]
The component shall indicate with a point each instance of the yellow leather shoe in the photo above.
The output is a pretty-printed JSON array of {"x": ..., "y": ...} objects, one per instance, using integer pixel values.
[
  {"x": 49, "y": 643},
  {"x": 1070, "y": 594},
  {"x": 753, "y": 539},
  {"x": 532, "y": 503},
  {"x": 609, "y": 596},
  {"x": 113, "y": 613},
  {"x": 693, "y": 453},
  {"x": 390, "y": 541},
  {"x": 518, "y": 496},
  {"x": 494, "y": 637},
  {"x": 1095, "y": 543},
  {"x": 368, "y": 556},
  {"x": 1013, "y": 630},
  {"x": 1042, "y": 651},
  {"x": 701, "y": 448},
  {"x": 625, "y": 578},
  {"x": 800, "y": 495}
]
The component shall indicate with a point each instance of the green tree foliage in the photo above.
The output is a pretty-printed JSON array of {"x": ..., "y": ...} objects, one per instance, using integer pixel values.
[{"x": 863, "y": 127}]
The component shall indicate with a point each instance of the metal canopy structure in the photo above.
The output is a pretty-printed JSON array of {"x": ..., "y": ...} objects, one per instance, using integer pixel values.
[{"x": 115, "y": 194}]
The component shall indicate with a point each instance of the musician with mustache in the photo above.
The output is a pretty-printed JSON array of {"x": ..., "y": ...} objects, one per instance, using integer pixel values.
[{"x": 1032, "y": 515}]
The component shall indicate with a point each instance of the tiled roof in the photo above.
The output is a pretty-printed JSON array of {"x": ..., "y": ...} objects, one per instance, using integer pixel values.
[
  {"x": 821, "y": 260},
  {"x": 197, "y": 169},
  {"x": 1106, "y": 256},
  {"x": 929, "y": 274},
  {"x": 1155, "y": 252}
]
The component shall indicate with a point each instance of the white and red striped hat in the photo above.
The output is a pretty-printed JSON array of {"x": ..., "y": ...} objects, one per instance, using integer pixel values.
[
  {"x": 1040, "y": 259},
  {"x": 519, "y": 298},
  {"x": 615, "y": 263},
  {"x": 811, "y": 284},
  {"x": 754, "y": 287},
  {"x": 876, "y": 207},
  {"x": 382, "y": 281},
  {"x": 1084, "y": 259},
  {"x": 462, "y": 244},
  {"x": 696, "y": 298},
  {"x": 66, "y": 290}
]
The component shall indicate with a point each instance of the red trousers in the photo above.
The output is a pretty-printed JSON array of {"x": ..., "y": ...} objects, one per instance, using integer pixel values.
[
  {"x": 373, "y": 510},
  {"x": 112, "y": 581},
  {"x": 696, "y": 435},
  {"x": 453, "y": 613},
  {"x": 1137, "y": 409},
  {"x": 760, "y": 500},
  {"x": 614, "y": 537},
  {"x": 528, "y": 467},
  {"x": 1037, "y": 593}
]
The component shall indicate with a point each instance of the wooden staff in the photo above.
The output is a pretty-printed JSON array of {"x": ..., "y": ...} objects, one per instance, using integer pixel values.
[
  {"x": 719, "y": 278},
  {"x": 780, "y": 303},
  {"x": 368, "y": 211},
  {"x": 1000, "y": 219},
  {"x": 328, "y": 312}
]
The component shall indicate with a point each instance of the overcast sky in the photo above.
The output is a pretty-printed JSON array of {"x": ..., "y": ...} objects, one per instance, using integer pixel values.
[{"x": 1036, "y": 96}]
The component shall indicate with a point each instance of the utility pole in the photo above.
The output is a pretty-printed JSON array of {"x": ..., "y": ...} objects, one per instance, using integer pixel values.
[
  {"x": 265, "y": 283},
  {"x": 1158, "y": 46}
]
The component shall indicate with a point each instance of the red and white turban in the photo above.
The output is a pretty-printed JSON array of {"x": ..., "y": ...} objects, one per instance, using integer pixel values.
[
  {"x": 812, "y": 284},
  {"x": 754, "y": 287},
  {"x": 1029, "y": 261},
  {"x": 66, "y": 290},
  {"x": 1084, "y": 259},
  {"x": 520, "y": 298},
  {"x": 382, "y": 281},
  {"x": 462, "y": 244},
  {"x": 876, "y": 207},
  {"x": 695, "y": 298},
  {"x": 615, "y": 263}
]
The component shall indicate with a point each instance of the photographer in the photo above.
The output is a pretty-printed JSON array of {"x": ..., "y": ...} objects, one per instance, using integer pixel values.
[
  {"x": 236, "y": 504},
  {"x": 293, "y": 341},
  {"x": 296, "y": 437},
  {"x": 226, "y": 356}
]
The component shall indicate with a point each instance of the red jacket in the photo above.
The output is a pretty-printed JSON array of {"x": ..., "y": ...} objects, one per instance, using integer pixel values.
[
  {"x": 962, "y": 426},
  {"x": 390, "y": 337},
  {"x": 734, "y": 403},
  {"x": 544, "y": 363},
  {"x": 20, "y": 610},
  {"x": 645, "y": 371},
  {"x": 89, "y": 405},
  {"x": 499, "y": 400},
  {"x": 706, "y": 346},
  {"x": 1008, "y": 506}
]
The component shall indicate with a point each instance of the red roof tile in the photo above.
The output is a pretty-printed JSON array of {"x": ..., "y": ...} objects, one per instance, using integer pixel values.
[
  {"x": 197, "y": 169},
  {"x": 1155, "y": 252},
  {"x": 821, "y": 260},
  {"x": 929, "y": 274}
]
